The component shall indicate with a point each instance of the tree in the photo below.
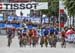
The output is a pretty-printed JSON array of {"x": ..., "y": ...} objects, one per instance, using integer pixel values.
[
  {"x": 43, "y": 0},
  {"x": 70, "y": 5},
  {"x": 53, "y": 8}
]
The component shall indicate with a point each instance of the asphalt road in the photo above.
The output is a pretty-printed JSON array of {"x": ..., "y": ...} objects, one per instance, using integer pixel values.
[
  {"x": 15, "y": 43},
  {"x": 16, "y": 49}
]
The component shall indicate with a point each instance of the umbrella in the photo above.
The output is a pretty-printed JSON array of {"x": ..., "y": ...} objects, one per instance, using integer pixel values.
[{"x": 70, "y": 32}]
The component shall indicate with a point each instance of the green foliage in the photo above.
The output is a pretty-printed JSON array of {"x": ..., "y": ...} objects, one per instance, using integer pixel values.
[
  {"x": 70, "y": 5},
  {"x": 53, "y": 8},
  {"x": 43, "y": 0}
]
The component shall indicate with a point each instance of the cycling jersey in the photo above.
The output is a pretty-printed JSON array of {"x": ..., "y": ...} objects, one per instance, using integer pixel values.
[{"x": 46, "y": 32}]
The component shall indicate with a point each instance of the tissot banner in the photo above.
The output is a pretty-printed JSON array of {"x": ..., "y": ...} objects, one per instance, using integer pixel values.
[{"x": 29, "y": 5}]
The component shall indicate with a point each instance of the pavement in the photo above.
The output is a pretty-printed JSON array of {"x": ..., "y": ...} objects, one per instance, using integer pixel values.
[
  {"x": 16, "y": 49},
  {"x": 15, "y": 43}
]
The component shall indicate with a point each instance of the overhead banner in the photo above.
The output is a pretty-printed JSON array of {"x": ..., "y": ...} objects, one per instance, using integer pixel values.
[{"x": 22, "y": 6}]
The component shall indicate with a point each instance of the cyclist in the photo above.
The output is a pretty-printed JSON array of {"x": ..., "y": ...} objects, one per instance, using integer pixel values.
[
  {"x": 63, "y": 44},
  {"x": 10, "y": 36},
  {"x": 46, "y": 32}
]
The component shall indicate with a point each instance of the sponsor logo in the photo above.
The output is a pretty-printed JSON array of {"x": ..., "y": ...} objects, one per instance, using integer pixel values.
[{"x": 15, "y": 6}]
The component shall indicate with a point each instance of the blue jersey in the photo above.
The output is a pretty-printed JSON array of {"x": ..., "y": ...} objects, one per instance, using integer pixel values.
[
  {"x": 23, "y": 31},
  {"x": 51, "y": 30},
  {"x": 56, "y": 32},
  {"x": 46, "y": 32}
]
